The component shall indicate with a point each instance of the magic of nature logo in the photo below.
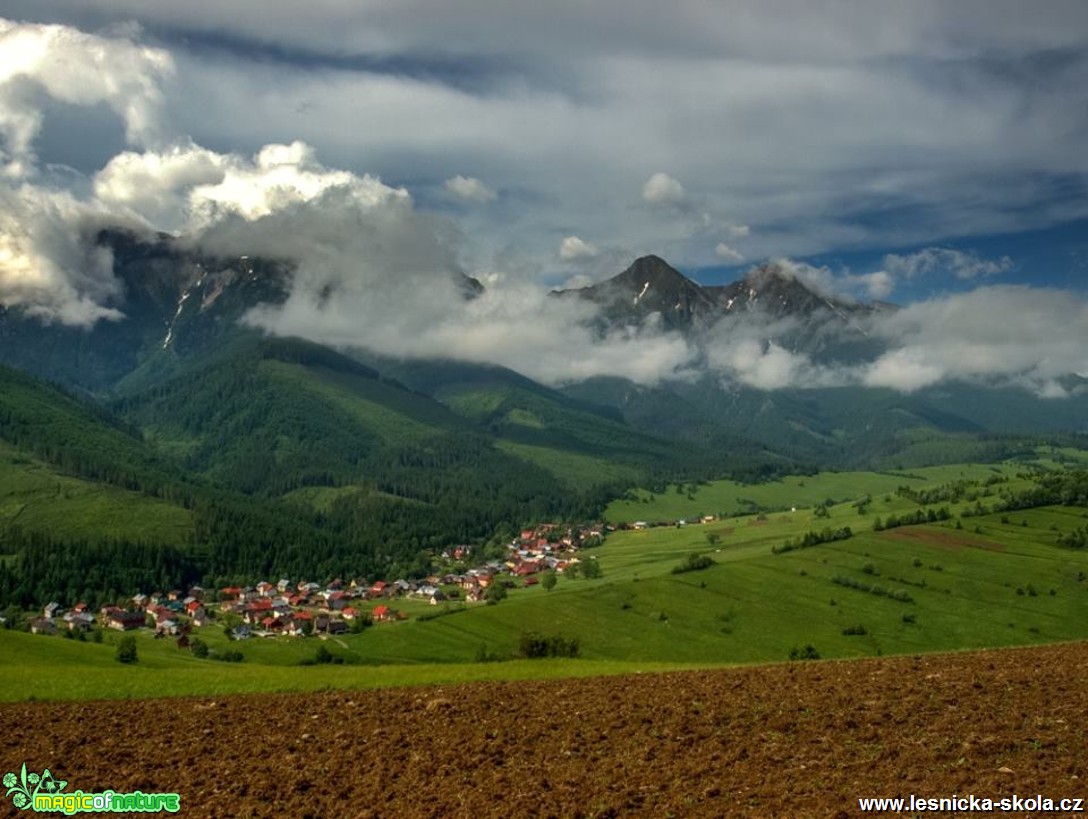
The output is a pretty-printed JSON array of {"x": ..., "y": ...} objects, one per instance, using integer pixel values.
[{"x": 44, "y": 793}]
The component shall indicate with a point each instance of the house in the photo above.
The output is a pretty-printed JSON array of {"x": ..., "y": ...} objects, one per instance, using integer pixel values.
[
  {"x": 140, "y": 601},
  {"x": 383, "y": 613},
  {"x": 43, "y": 625},
  {"x": 337, "y": 627},
  {"x": 79, "y": 621},
  {"x": 527, "y": 568},
  {"x": 126, "y": 620},
  {"x": 349, "y": 613},
  {"x": 241, "y": 632},
  {"x": 54, "y": 609},
  {"x": 301, "y": 624},
  {"x": 200, "y": 618}
]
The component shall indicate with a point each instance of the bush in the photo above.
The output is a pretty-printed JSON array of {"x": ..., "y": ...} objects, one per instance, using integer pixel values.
[
  {"x": 325, "y": 657},
  {"x": 591, "y": 569},
  {"x": 826, "y": 535},
  {"x": 855, "y": 631},
  {"x": 694, "y": 563},
  {"x": 199, "y": 648},
  {"x": 809, "y": 652},
  {"x": 484, "y": 655},
  {"x": 126, "y": 650},
  {"x": 534, "y": 646}
]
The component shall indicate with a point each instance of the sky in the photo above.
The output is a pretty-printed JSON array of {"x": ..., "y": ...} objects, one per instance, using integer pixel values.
[{"x": 923, "y": 153}]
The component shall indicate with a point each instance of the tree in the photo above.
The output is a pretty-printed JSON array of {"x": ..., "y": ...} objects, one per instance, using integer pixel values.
[
  {"x": 495, "y": 592},
  {"x": 713, "y": 538},
  {"x": 591, "y": 569},
  {"x": 548, "y": 581},
  {"x": 126, "y": 650},
  {"x": 199, "y": 648}
]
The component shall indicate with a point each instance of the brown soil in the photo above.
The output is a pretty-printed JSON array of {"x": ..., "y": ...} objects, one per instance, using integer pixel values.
[
  {"x": 797, "y": 740},
  {"x": 942, "y": 539}
]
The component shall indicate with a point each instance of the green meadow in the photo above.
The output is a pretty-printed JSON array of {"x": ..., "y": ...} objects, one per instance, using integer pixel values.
[
  {"x": 972, "y": 581},
  {"x": 688, "y": 502},
  {"x": 41, "y": 498}
]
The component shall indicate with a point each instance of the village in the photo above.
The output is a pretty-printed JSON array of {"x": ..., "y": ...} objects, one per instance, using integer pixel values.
[{"x": 307, "y": 608}]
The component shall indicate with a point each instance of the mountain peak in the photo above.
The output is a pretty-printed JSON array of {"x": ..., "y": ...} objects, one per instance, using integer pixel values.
[
  {"x": 655, "y": 271},
  {"x": 650, "y": 286}
]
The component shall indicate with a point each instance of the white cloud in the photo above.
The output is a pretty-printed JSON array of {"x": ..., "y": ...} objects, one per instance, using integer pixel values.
[
  {"x": 961, "y": 264},
  {"x": 562, "y": 133},
  {"x": 662, "y": 189},
  {"x": 572, "y": 248},
  {"x": 278, "y": 177},
  {"x": 573, "y": 107},
  {"x": 157, "y": 184},
  {"x": 470, "y": 189},
  {"x": 992, "y": 334},
  {"x": 878, "y": 285},
  {"x": 728, "y": 254},
  {"x": 49, "y": 264},
  {"x": 77, "y": 68}
]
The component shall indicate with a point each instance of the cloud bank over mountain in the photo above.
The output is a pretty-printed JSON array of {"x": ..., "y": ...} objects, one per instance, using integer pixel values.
[{"x": 376, "y": 264}]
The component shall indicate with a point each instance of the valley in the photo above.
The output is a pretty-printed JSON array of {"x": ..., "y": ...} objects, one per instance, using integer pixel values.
[
  {"x": 553, "y": 410},
  {"x": 987, "y": 576}
]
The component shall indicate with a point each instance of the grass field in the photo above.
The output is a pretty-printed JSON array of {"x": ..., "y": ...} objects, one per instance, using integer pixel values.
[
  {"x": 970, "y": 582},
  {"x": 38, "y": 498},
  {"x": 51, "y": 668},
  {"x": 725, "y": 498},
  {"x": 573, "y": 469}
]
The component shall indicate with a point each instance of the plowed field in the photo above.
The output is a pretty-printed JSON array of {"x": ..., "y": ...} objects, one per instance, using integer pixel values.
[{"x": 797, "y": 740}]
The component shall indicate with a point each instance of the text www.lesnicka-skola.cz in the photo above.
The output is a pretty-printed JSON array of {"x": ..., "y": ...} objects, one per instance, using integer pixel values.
[{"x": 966, "y": 804}]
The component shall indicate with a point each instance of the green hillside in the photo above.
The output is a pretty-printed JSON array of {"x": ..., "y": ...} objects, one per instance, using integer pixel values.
[
  {"x": 846, "y": 427},
  {"x": 978, "y": 579},
  {"x": 38, "y": 498}
]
